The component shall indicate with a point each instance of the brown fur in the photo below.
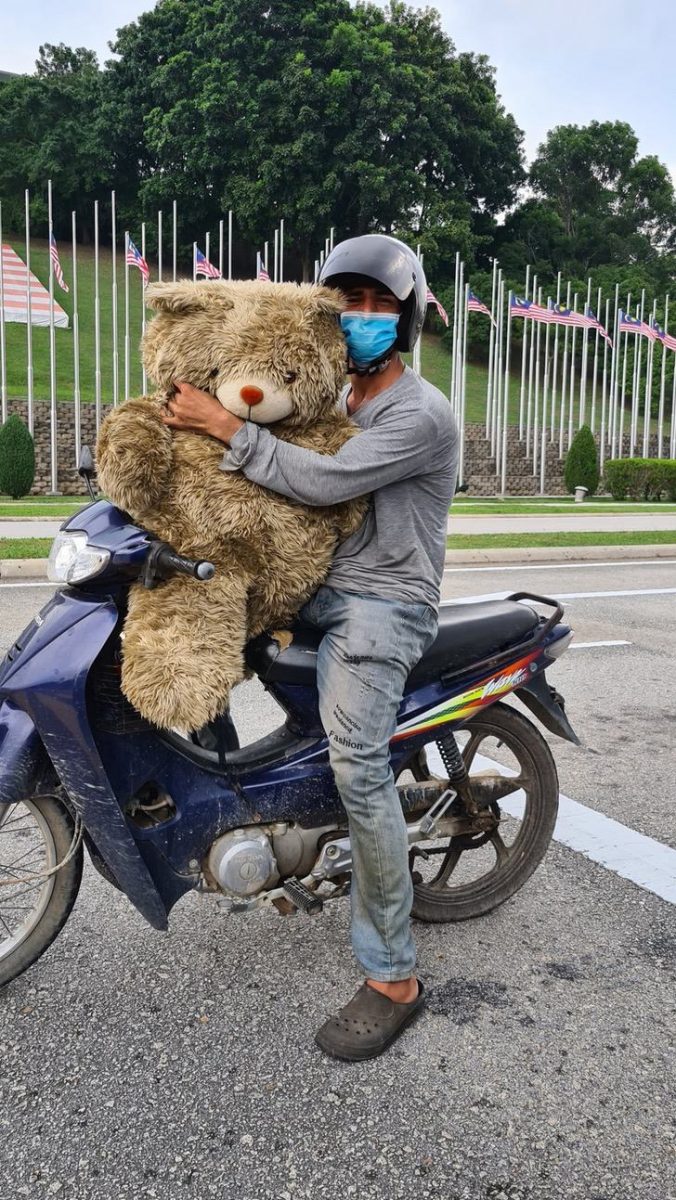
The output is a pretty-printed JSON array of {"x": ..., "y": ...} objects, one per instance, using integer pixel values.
[{"x": 184, "y": 641}]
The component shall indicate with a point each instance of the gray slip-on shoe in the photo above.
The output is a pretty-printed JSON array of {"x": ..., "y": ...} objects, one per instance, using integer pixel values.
[{"x": 367, "y": 1025}]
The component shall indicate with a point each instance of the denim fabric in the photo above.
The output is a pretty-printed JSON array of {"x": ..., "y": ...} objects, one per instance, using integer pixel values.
[{"x": 369, "y": 648}]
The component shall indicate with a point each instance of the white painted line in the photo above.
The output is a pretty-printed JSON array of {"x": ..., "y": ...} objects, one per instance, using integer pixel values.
[
  {"x": 642, "y": 860},
  {"x": 561, "y": 595},
  {"x": 589, "y": 645},
  {"x": 567, "y": 566}
]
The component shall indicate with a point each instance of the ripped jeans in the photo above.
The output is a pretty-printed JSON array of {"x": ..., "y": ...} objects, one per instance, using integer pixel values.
[{"x": 369, "y": 648}]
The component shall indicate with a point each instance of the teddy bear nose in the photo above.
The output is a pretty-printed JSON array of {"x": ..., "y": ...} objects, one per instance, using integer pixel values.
[{"x": 251, "y": 394}]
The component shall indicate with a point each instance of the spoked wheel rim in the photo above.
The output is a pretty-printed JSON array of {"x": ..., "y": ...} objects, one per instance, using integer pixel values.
[
  {"x": 27, "y": 852},
  {"x": 473, "y": 872}
]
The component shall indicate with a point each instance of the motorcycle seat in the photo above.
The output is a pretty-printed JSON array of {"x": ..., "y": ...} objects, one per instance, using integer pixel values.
[{"x": 467, "y": 634}]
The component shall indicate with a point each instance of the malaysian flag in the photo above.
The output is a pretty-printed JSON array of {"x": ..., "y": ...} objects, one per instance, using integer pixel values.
[
  {"x": 262, "y": 272},
  {"x": 134, "y": 258},
  {"x": 56, "y": 263},
  {"x": 474, "y": 304},
  {"x": 668, "y": 341},
  {"x": 431, "y": 299},
  {"x": 528, "y": 308},
  {"x": 204, "y": 267},
  {"x": 629, "y": 324},
  {"x": 560, "y": 315},
  {"x": 593, "y": 323}
]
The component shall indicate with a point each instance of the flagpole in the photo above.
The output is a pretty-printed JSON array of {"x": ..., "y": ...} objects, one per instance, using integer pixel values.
[
  {"x": 281, "y": 250},
  {"x": 555, "y": 369},
  {"x": 220, "y": 247},
  {"x": 3, "y": 346},
  {"x": 144, "y": 378},
  {"x": 29, "y": 315},
  {"x": 174, "y": 223},
  {"x": 505, "y": 406},
  {"x": 624, "y": 383},
  {"x": 638, "y": 355},
  {"x": 76, "y": 348},
  {"x": 524, "y": 355},
  {"x": 602, "y": 438},
  {"x": 159, "y": 249},
  {"x": 582, "y": 403},
  {"x": 614, "y": 375},
  {"x": 596, "y": 359},
  {"x": 463, "y": 398},
  {"x": 127, "y": 388},
  {"x": 545, "y": 397},
  {"x": 266, "y": 255},
  {"x": 331, "y": 235},
  {"x": 571, "y": 395},
  {"x": 194, "y": 262},
  {"x": 496, "y": 449},
  {"x": 207, "y": 247},
  {"x": 563, "y": 378},
  {"x": 536, "y": 397},
  {"x": 672, "y": 437},
  {"x": 116, "y": 368},
  {"x": 416, "y": 360},
  {"x": 316, "y": 269},
  {"x": 660, "y": 412},
  {"x": 491, "y": 341},
  {"x": 531, "y": 367},
  {"x": 275, "y": 258},
  {"x": 456, "y": 307},
  {"x": 458, "y": 349},
  {"x": 230, "y": 244},
  {"x": 647, "y": 410},
  {"x": 97, "y": 321},
  {"x": 53, "y": 447}
]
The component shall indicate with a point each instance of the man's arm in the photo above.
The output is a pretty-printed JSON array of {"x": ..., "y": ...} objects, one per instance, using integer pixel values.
[{"x": 393, "y": 449}]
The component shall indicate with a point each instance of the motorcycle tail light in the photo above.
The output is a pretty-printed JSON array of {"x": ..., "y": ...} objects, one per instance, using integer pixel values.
[{"x": 559, "y": 647}]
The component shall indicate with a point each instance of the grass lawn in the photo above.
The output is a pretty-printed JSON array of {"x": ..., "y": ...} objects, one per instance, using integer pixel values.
[
  {"x": 15, "y": 510},
  {"x": 25, "y": 547},
  {"x": 509, "y": 508},
  {"x": 494, "y": 541}
]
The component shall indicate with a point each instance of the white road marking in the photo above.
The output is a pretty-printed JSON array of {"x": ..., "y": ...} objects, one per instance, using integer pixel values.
[
  {"x": 567, "y": 566},
  {"x": 589, "y": 645},
  {"x": 563, "y": 595},
  {"x": 27, "y": 584},
  {"x": 642, "y": 860}
]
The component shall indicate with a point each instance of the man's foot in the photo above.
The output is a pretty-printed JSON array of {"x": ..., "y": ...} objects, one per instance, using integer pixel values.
[
  {"x": 403, "y": 991},
  {"x": 369, "y": 1023}
]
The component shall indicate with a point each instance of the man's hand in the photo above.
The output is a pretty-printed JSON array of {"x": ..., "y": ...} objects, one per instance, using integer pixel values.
[{"x": 198, "y": 412}]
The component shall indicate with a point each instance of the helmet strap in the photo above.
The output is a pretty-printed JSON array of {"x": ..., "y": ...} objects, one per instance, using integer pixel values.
[{"x": 374, "y": 368}]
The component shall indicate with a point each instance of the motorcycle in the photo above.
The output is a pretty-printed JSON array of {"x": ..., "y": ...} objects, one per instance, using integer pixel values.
[{"x": 161, "y": 812}]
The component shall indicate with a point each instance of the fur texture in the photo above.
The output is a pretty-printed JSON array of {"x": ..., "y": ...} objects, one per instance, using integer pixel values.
[{"x": 184, "y": 641}]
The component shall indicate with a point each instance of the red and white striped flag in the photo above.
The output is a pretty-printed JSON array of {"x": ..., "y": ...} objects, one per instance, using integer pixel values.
[
  {"x": 204, "y": 267},
  {"x": 262, "y": 272},
  {"x": 474, "y": 304},
  {"x": 431, "y": 299},
  {"x": 56, "y": 264},
  {"x": 136, "y": 259}
]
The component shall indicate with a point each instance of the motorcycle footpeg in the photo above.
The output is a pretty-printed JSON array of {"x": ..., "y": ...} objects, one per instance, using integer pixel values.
[{"x": 302, "y": 897}]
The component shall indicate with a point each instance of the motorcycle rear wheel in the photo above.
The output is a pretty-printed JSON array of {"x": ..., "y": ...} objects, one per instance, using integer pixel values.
[
  {"x": 457, "y": 893},
  {"x": 36, "y": 834}
]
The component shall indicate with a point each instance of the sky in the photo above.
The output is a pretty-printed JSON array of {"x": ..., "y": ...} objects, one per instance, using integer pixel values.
[{"x": 556, "y": 64}]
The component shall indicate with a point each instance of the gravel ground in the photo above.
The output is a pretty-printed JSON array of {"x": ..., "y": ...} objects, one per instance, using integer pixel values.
[{"x": 136, "y": 1064}]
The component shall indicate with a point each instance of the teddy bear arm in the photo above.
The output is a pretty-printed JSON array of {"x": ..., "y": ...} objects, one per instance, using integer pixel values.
[{"x": 134, "y": 455}]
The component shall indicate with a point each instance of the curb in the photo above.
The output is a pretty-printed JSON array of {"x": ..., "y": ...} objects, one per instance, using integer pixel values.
[
  {"x": 36, "y": 568},
  {"x": 558, "y": 554}
]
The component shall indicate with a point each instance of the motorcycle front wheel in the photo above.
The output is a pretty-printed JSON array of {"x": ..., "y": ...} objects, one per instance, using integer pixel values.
[
  {"x": 40, "y": 873},
  {"x": 467, "y": 876}
]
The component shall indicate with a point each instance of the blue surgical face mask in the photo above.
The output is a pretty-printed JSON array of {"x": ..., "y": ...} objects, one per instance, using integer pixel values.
[{"x": 368, "y": 335}]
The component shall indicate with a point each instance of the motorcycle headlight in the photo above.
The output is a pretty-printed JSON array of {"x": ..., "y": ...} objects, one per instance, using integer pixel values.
[{"x": 72, "y": 559}]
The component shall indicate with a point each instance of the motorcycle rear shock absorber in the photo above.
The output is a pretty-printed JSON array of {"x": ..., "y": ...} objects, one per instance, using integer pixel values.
[{"x": 456, "y": 770}]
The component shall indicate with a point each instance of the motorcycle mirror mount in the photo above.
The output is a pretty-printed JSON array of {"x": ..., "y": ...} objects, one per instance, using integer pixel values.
[{"x": 86, "y": 470}]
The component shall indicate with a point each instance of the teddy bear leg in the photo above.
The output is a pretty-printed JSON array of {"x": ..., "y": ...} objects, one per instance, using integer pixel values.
[{"x": 183, "y": 649}]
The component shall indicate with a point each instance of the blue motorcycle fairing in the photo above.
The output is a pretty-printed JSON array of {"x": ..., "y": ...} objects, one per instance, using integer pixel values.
[
  {"x": 110, "y": 529},
  {"x": 52, "y": 693},
  {"x": 24, "y": 761}
]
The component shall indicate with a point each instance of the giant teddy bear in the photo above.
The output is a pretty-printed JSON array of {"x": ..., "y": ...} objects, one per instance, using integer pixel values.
[{"x": 183, "y": 643}]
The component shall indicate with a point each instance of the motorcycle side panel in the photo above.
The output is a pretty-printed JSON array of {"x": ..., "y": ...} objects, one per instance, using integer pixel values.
[{"x": 23, "y": 761}]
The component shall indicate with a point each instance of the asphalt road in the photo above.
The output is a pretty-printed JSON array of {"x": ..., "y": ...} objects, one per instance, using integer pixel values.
[{"x": 136, "y": 1064}]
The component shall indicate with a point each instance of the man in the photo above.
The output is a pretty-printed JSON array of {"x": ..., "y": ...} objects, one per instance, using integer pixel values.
[{"x": 378, "y": 608}]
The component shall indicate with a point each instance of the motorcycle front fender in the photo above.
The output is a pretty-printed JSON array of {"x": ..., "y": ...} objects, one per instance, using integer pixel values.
[{"x": 43, "y": 682}]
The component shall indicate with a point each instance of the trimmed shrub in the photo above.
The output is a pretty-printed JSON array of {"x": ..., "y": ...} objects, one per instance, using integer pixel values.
[
  {"x": 641, "y": 478},
  {"x": 582, "y": 468},
  {"x": 17, "y": 458}
]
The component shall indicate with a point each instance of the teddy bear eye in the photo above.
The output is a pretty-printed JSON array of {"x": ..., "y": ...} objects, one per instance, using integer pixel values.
[
  {"x": 213, "y": 373},
  {"x": 290, "y": 376}
]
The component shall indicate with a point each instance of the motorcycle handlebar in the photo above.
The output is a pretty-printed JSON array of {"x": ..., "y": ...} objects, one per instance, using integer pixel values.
[{"x": 162, "y": 561}]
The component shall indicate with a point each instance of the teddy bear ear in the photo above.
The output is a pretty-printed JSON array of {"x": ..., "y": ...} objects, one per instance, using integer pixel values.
[
  {"x": 185, "y": 296},
  {"x": 325, "y": 301}
]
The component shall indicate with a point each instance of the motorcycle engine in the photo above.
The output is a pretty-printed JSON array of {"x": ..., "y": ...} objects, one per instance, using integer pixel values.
[{"x": 247, "y": 861}]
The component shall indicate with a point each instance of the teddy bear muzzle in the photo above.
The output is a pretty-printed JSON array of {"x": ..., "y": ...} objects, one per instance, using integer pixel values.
[{"x": 255, "y": 399}]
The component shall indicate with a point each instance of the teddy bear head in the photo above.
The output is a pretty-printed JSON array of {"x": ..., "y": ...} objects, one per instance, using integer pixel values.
[{"x": 269, "y": 352}]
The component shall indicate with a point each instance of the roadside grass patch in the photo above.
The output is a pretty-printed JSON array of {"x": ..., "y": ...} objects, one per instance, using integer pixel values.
[{"x": 518, "y": 541}]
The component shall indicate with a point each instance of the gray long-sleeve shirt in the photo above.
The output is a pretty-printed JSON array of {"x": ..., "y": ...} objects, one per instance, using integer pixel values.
[{"x": 406, "y": 456}]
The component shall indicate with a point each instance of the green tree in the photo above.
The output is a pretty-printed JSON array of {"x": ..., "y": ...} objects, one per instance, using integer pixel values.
[
  {"x": 17, "y": 458},
  {"x": 581, "y": 468}
]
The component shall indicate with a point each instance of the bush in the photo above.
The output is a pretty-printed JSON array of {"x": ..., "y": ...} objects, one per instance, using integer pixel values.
[
  {"x": 582, "y": 469},
  {"x": 17, "y": 458},
  {"x": 641, "y": 478}
]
